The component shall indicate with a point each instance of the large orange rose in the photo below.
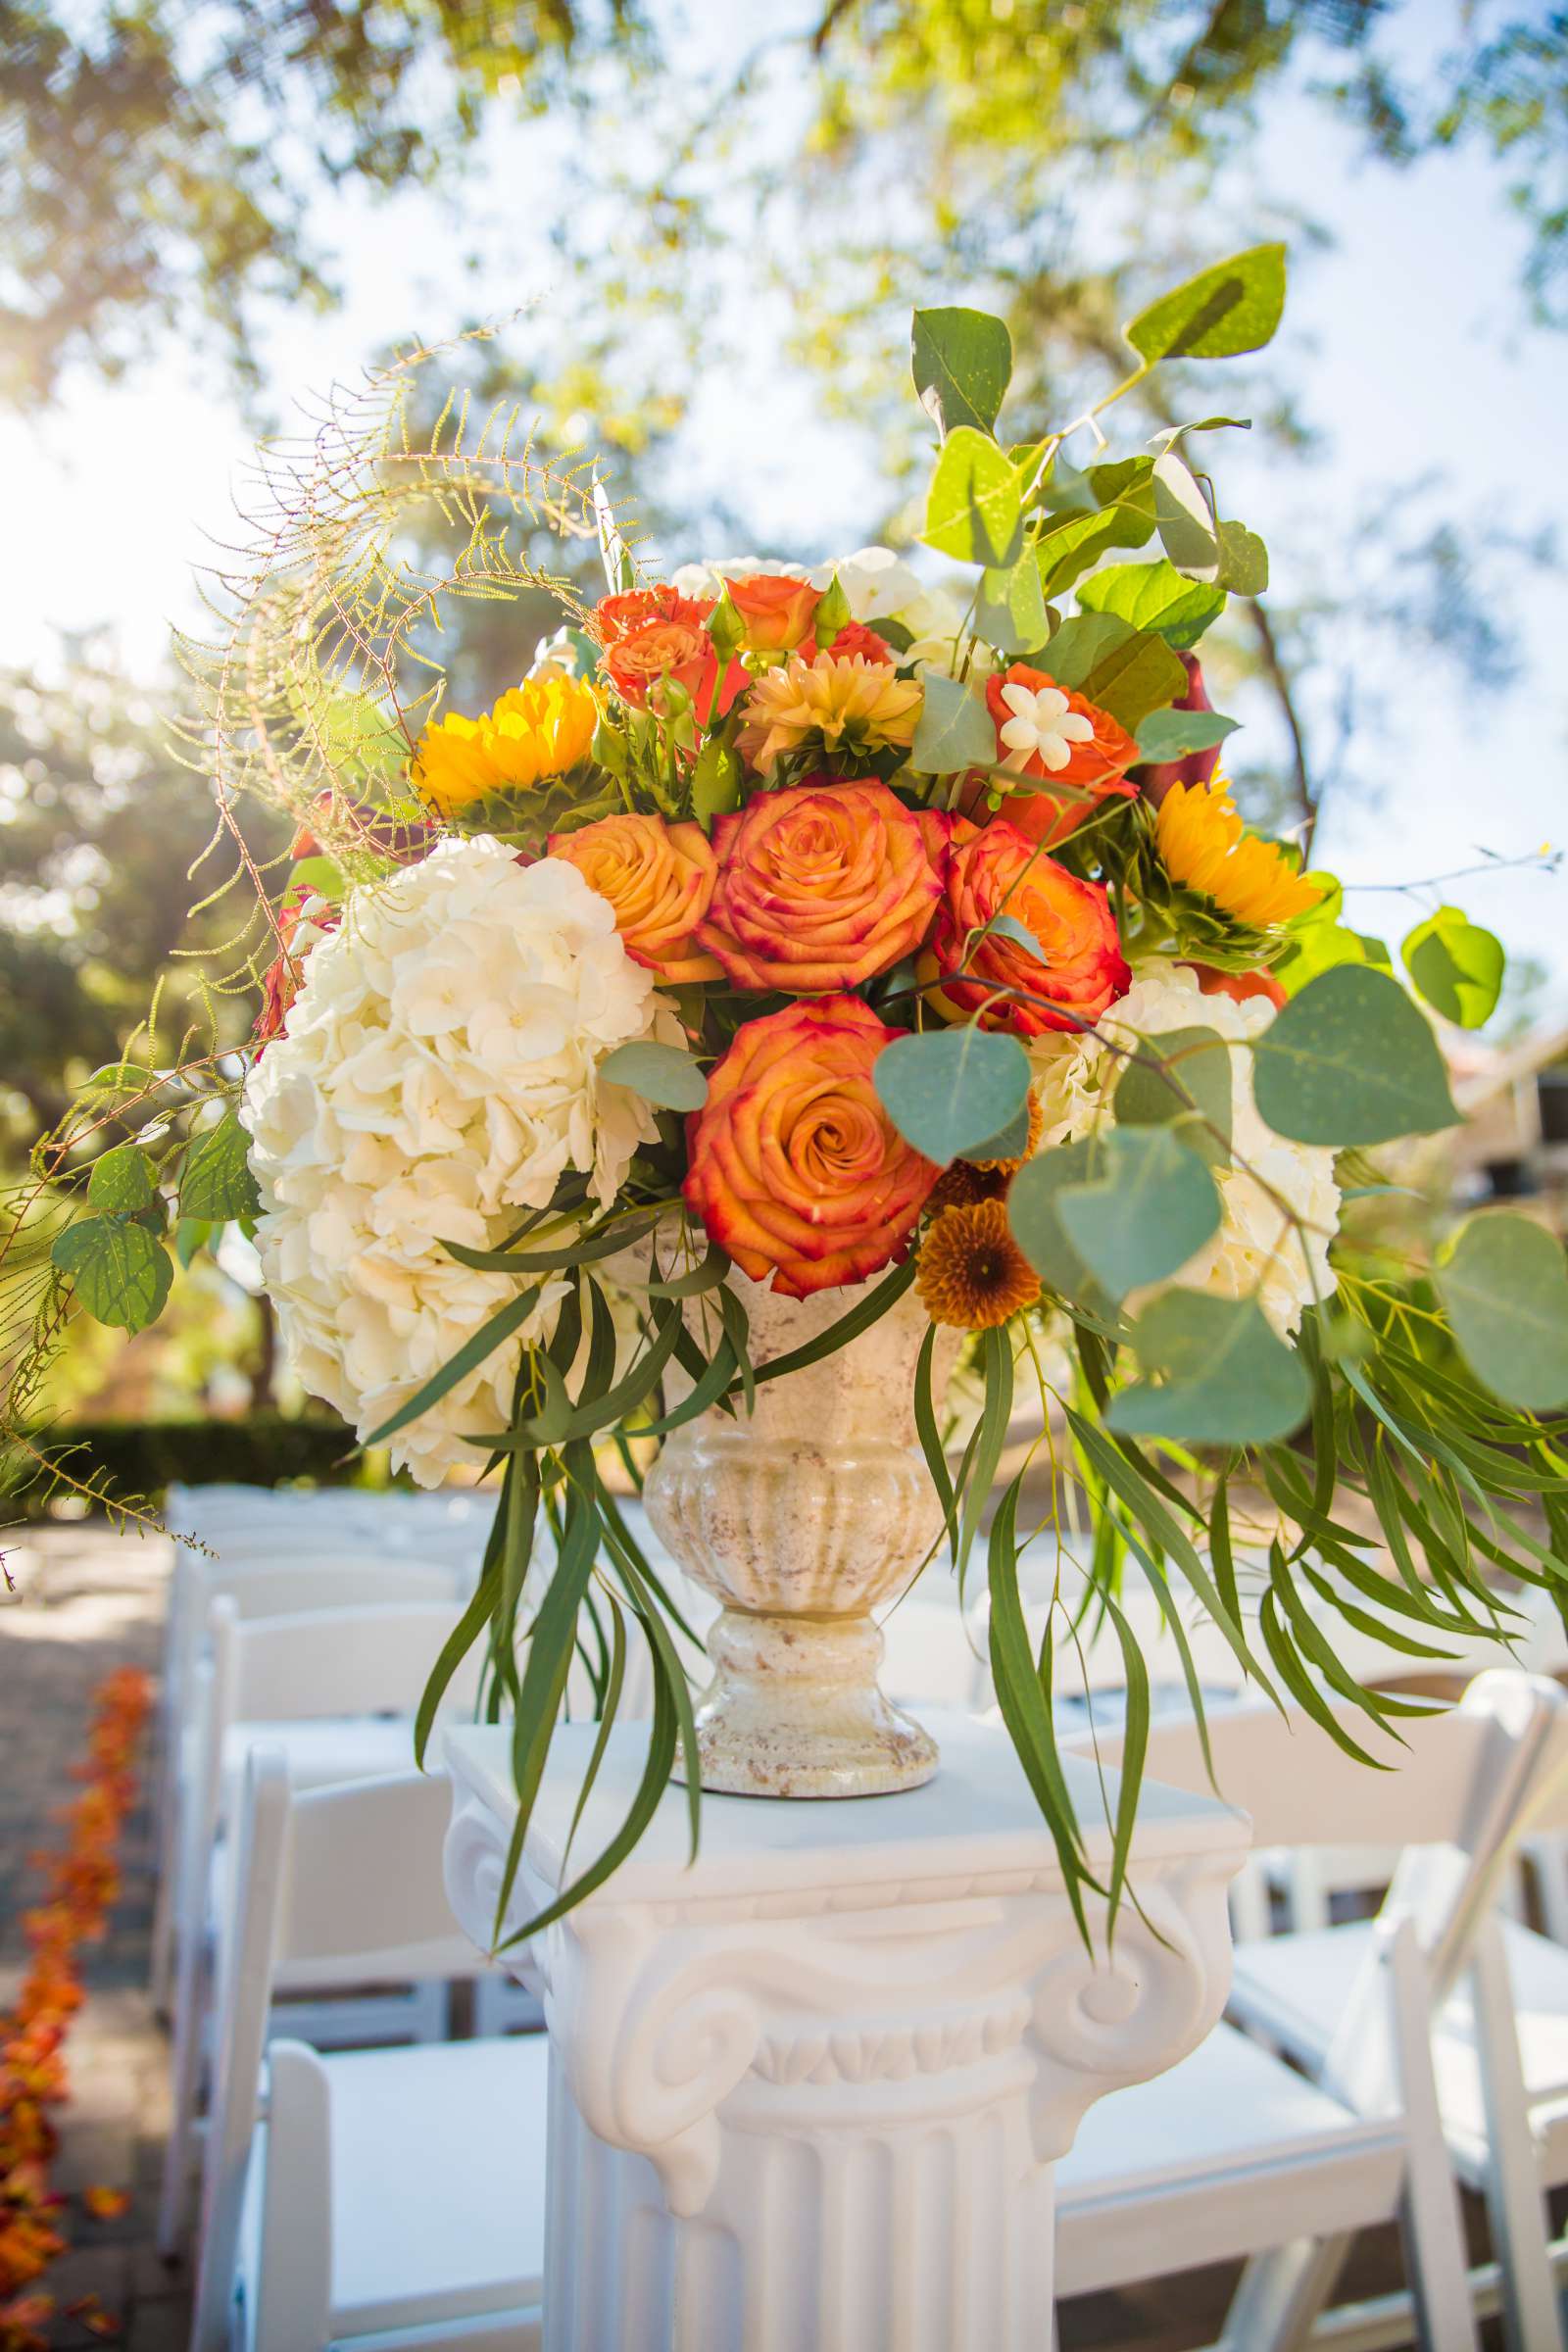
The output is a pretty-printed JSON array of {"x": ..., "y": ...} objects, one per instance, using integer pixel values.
[
  {"x": 614, "y": 616},
  {"x": 795, "y": 1168},
  {"x": 659, "y": 878},
  {"x": 819, "y": 887},
  {"x": 1045, "y": 730},
  {"x": 776, "y": 610},
  {"x": 1079, "y": 968}
]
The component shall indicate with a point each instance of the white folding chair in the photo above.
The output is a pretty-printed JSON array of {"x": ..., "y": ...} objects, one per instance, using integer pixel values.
[
  {"x": 383, "y": 2198},
  {"x": 1233, "y": 2152},
  {"x": 335, "y": 1691},
  {"x": 1498, "y": 2028}
]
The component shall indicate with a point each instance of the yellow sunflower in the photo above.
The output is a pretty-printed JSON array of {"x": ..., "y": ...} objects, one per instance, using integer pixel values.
[
  {"x": 538, "y": 730},
  {"x": 1207, "y": 848}
]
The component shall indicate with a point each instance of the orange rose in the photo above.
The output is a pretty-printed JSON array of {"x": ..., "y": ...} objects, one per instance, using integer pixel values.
[
  {"x": 855, "y": 638},
  {"x": 819, "y": 887},
  {"x": 1063, "y": 735},
  {"x": 795, "y": 1168},
  {"x": 651, "y": 652},
  {"x": 1079, "y": 968},
  {"x": 1238, "y": 986},
  {"x": 614, "y": 616},
  {"x": 776, "y": 610},
  {"x": 659, "y": 878}
]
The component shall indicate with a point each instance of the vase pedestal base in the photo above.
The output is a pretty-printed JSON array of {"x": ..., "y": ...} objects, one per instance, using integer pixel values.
[{"x": 793, "y": 1710}]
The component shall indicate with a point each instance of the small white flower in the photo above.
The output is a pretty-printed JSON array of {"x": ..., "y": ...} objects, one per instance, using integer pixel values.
[{"x": 1042, "y": 727}]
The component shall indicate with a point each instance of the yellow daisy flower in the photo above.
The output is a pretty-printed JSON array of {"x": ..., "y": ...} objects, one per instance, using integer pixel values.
[
  {"x": 1207, "y": 847},
  {"x": 538, "y": 730},
  {"x": 841, "y": 701}
]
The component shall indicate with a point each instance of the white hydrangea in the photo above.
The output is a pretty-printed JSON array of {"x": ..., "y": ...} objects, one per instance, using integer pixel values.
[
  {"x": 438, "y": 1074},
  {"x": 1256, "y": 1249}
]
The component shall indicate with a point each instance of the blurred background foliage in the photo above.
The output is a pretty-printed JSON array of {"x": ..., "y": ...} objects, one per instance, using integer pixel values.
[{"x": 705, "y": 178}]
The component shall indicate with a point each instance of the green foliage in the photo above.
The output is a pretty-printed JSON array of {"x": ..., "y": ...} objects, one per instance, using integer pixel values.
[
  {"x": 949, "y": 1090},
  {"x": 121, "y": 1181},
  {"x": 1154, "y": 596},
  {"x": 1168, "y": 734},
  {"x": 1232, "y": 306},
  {"x": 1186, "y": 528},
  {"x": 974, "y": 511},
  {"x": 1150, "y": 1205},
  {"x": 1456, "y": 966},
  {"x": 1129, "y": 675},
  {"x": 1183, "y": 1079},
  {"x": 954, "y": 730},
  {"x": 1033, "y": 1214},
  {"x": 1350, "y": 1060},
  {"x": 1505, "y": 1288},
  {"x": 962, "y": 361},
  {"x": 120, "y": 1273},
  {"x": 1010, "y": 609},
  {"x": 1243, "y": 561},
  {"x": 217, "y": 1182},
  {"x": 1223, "y": 1378},
  {"x": 660, "y": 1074}
]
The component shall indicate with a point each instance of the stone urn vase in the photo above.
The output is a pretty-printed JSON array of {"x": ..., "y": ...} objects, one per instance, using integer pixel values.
[{"x": 801, "y": 1518}]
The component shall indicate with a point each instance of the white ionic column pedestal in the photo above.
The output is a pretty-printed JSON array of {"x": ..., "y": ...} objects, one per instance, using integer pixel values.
[{"x": 807, "y": 2094}]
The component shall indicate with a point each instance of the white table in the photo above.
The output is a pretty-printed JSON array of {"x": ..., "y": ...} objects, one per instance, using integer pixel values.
[{"x": 806, "y": 2096}]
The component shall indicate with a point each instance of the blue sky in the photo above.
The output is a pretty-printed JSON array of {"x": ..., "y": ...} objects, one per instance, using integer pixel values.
[{"x": 1406, "y": 338}]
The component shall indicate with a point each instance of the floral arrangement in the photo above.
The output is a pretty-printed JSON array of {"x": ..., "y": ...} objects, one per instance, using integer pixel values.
[
  {"x": 849, "y": 926},
  {"x": 81, "y": 1884}
]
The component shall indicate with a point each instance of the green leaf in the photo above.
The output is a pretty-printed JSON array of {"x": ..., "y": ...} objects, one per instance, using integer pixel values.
[
  {"x": 1226, "y": 1378},
  {"x": 1154, "y": 596},
  {"x": 1071, "y": 547},
  {"x": 490, "y": 1336},
  {"x": 1079, "y": 643},
  {"x": 121, "y": 1274},
  {"x": 1505, "y": 1288},
  {"x": 947, "y": 1090},
  {"x": 1350, "y": 1060},
  {"x": 1317, "y": 947},
  {"x": 1456, "y": 966},
  {"x": 120, "y": 1078},
  {"x": 321, "y": 875},
  {"x": 953, "y": 731},
  {"x": 1037, "y": 1227},
  {"x": 1146, "y": 1215},
  {"x": 716, "y": 781},
  {"x": 661, "y": 1074},
  {"x": 190, "y": 1234},
  {"x": 1010, "y": 613},
  {"x": 123, "y": 1180},
  {"x": 962, "y": 361},
  {"x": 217, "y": 1182},
  {"x": 1168, "y": 734},
  {"x": 1243, "y": 561},
  {"x": 1232, "y": 306},
  {"x": 1186, "y": 528},
  {"x": 1191, "y": 1090},
  {"x": 973, "y": 511},
  {"x": 1135, "y": 677}
]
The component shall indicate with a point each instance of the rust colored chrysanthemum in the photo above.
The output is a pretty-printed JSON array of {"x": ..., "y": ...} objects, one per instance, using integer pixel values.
[
  {"x": 972, "y": 1273},
  {"x": 1011, "y": 1168},
  {"x": 962, "y": 1184}
]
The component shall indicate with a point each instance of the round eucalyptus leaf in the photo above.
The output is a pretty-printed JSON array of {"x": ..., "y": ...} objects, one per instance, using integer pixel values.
[
  {"x": 1506, "y": 1287},
  {"x": 1456, "y": 966},
  {"x": 950, "y": 1090},
  {"x": 1223, "y": 1376},
  {"x": 1149, "y": 1210},
  {"x": 1350, "y": 1060},
  {"x": 660, "y": 1074}
]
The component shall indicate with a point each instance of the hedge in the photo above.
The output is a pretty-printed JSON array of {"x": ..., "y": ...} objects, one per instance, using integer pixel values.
[{"x": 144, "y": 1457}]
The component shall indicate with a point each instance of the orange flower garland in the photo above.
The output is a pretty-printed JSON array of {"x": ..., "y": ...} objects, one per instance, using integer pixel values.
[{"x": 80, "y": 1884}]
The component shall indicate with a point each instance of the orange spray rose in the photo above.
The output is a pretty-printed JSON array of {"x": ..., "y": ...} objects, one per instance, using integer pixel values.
[
  {"x": 1045, "y": 730},
  {"x": 795, "y": 1168},
  {"x": 778, "y": 610}
]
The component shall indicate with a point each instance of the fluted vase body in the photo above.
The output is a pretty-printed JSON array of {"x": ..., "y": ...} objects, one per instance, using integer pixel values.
[{"x": 802, "y": 1518}]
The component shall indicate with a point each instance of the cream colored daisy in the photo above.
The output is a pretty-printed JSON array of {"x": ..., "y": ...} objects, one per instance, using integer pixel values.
[{"x": 837, "y": 703}]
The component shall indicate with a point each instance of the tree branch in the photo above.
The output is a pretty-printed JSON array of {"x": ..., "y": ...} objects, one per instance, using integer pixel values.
[{"x": 1308, "y": 800}]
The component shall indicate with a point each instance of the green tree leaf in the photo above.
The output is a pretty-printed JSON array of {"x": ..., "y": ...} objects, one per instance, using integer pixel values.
[
  {"x": 1226, "y": 1378},
  {"x": 962, "y": 361},
  {"x": 973, "y": 511},
  {"x": 1187, "y": 529},
  {"x": 1232, "y": 306},
  {"x": 1146, "y": 1215},
  {"x": 660, "y": 1074},
  {"x": 1168, "y": 734},
  {"x": 1193, "y": 1087},
  {"x": 123, "y": 1180},
  {"x": 1243, "y": 561},
  {"x": 1505, "y": 1286},
  {"x": 954, "y": 729},
  {"x": 1155, "y": 595},
  {"x": 217, "y": 1182},
  {"x": 1012, "y": 608},
  {"x": 121, "y": 1274},
  {"x": 1456, "y": 966},
  {"x": 1350, "y": 1060},
  {"x": 946, "y": 1092}
]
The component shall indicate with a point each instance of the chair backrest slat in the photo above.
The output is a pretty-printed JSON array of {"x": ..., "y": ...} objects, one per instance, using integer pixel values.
[{"x": 333, "y": 1662}]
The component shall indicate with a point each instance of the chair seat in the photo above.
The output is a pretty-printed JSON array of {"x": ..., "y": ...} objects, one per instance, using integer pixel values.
[
  {"x": 1186, "y": 2169},
  {"x": 438, "y": 2181},
  {"x": 1295, "y": 1988}
]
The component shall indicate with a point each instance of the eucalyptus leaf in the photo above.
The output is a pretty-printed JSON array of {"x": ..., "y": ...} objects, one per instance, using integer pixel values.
[
  {"x": 1243, "y": 561},
  {"x": 1007, "y": 926},
  {"x": 954, "y": 729},
  {"x": 1010, "y": 611},
  {"x": 123, "y": 1180},
  {"x": 1350, "y": 1060},
  {"x": 1186, "y": 528},
  {"x": 1149, "y": 1210},
  {"x": 1191, "y": 1090},
  {"x": 216, "y": 1182},
  {"x": 1456, "y": 966},
  {"x": 1226, "y": 1378},
  {"x": 1231, "y": 308},
  {"x": 973, "y": 511},
  {"x": 660, "y": 1074},
  {"x": 962, "y": 361},
  {"x": 1317, "y": 947},
  {"x": 1168, "y": 734},
  {"x": 1504, "y": 1285},
  {"x": 120, "y": 1273},
  {"x": 1032, "y": 1212},
  {"x": 947, "y": 1090},
  {"x": 1154, "y": 596}
]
